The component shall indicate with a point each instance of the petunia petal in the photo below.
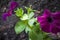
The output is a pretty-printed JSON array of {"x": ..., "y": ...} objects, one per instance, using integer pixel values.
[
  {"x": 41, "y": 18},
  {"x": 13, "y": 5},
  {"x": 47, "y": 12},
  {"x": 4, "y": 16},
  {"x": 45, "y": 26},
  {"x": 9, "y": 12},
  {"x": 56, "y": 16},
  {"x": 55, "y": 30}
]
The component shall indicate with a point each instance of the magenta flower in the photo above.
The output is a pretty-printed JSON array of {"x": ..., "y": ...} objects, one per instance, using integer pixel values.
[
  {"x": 49, "y": 21},
  {"x": 13, "y": 5},
  {"x": 5, "y": 15}
]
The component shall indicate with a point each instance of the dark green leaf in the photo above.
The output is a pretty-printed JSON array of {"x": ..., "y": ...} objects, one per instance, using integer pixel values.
[{"x": 36, "y": 34}]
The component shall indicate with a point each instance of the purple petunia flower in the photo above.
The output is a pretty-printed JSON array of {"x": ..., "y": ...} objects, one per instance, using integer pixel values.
[
  {"x": 5, "y": 15},
  {"x": 49, "y": 21},
  {"x": 13, "y": 5}
]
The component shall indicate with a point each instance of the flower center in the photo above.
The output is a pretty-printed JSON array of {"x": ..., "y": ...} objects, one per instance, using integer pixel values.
[{"x": 50, "y": 19}]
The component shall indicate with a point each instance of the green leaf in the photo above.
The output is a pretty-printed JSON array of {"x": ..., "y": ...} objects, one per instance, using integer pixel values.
[
  {"x": 34, "y": 36},
  {"x": 27, "y": 29},
  {"x": 48, "y": 39},
  {"x": 31, "y": 21},
  {"x": 19, "y": 27},
  {"x": 28, "y": 9},
  {"x": 31, "y": 15},
  {"x": 19, "y": 12},
  {"x": 29, "y": 38},
  {"x": 36, "y": 33},
  {"x": 24, "y": 17}
]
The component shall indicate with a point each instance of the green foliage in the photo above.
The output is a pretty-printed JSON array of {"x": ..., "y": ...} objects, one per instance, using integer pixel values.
[
  {"x": 27, "y": 29},
  {"x": 29, "y": 10},
  {"x": 36, "y": 34},
  {"x": 19, "y": 27},
  {"x": 31, "y": 21},
  {"x": 19, "y": 12},
  {"x": 28, "y": 23},
  {"x": 31, "y": 15},
  {"x": 24, "y": 17}
]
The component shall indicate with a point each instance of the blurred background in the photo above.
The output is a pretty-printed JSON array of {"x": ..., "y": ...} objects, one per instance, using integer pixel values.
[{"x": 7, "y": 27}]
